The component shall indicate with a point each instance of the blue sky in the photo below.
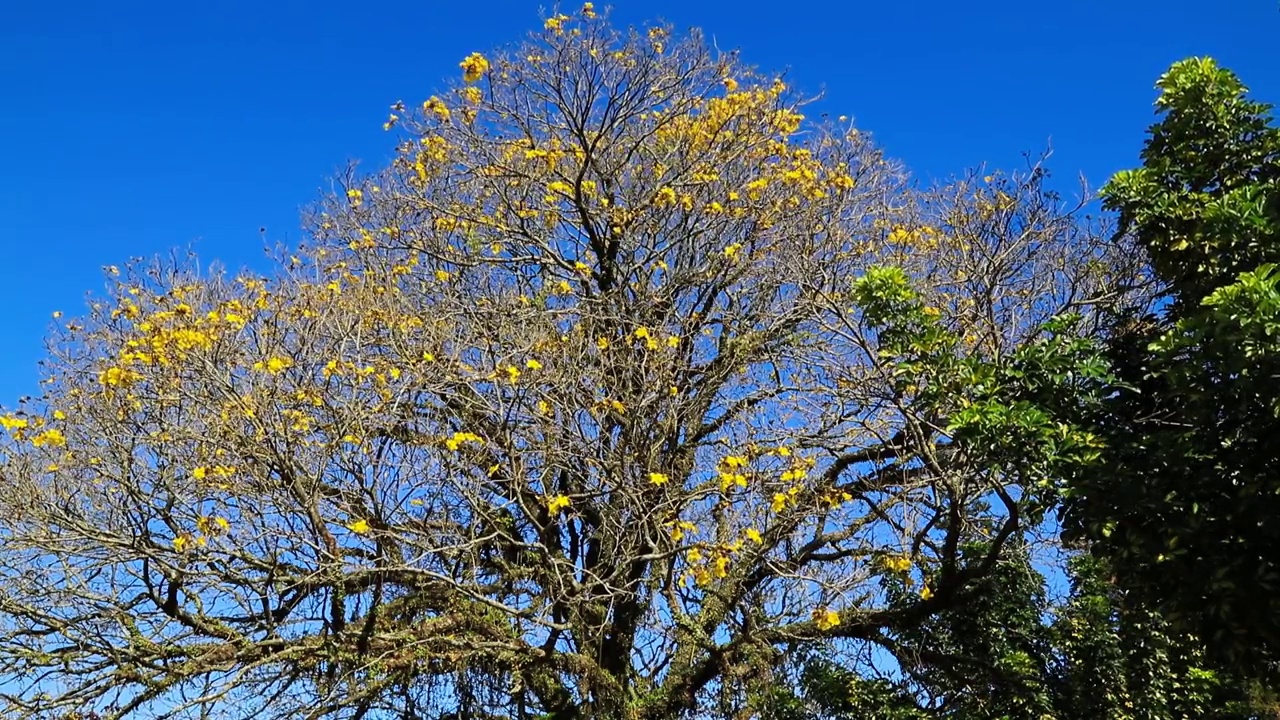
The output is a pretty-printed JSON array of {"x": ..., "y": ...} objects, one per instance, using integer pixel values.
[{"x": 130, "y": 128}]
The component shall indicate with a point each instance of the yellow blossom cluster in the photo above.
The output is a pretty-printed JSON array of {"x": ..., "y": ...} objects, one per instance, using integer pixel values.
[
  {"x": 557, "y": 504},
  {"x": 474, "y": 67},
  {"x": 826, "y": 618},
  {"x": 897, "y": 563}
]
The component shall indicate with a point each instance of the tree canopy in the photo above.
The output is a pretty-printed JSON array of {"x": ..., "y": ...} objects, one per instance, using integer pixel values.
[
  {"x": 1012, "y": 651},
  {"x": 626, "y": 391},
  {"x": 1184, "y": 501}
]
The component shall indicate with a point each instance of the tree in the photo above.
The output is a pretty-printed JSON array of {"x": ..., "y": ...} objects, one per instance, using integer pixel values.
[
  {"x": 1183, "y": 505},
  {"x": 1008, "y": 652},
  {"x": 622, "y": 381}
]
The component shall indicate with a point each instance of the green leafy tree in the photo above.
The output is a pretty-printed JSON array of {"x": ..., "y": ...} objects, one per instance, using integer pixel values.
[
  {"x": 1007, "y": 652},
  {"x": 1184, "y": 504},
  {"x": 998, "y": 648},
  {"x": 1113, "y": 657}
]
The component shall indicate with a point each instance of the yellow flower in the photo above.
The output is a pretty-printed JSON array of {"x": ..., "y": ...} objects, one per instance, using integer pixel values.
[
  {"x": 602, "y": 343},
  {"x": 474, "y": 66},
  {"x": 557, "y": 503},
  {"x": 754, "y": 536},
  {"x": 842, "y": 181},
  {"x": 200, "y": 473},
  {"x": 731, "y": 252},
  {"x": 666, "y": 197},
  {"x": 472, "y": 95},
  {"x": 588, "y": 10},
  {"x": 442, "y": 275},
  {"x": 702, "y": 576},
  {"x": 52, "y": 437},
  {"x": 926, "y": 593},
  {"x": 779, "y": 502},
  {"x": 59, "y": 415},
  {"x": 678, "y": 530},
  {"x": 331, "y": 368},
  {"x": 658, "y": 478},
  {"x": 655, "y": 36},
  {"x": 834, "y": 499},
  {"x": 728, "y": 478},
  {"x": 673, "y": 341},
  {"x": 436, "y": 106},
  {"x": 453, "y": 443},
  {"x": 117, "y": 376},
  {"x": 730, "y": 84},
  {"x": 734, "y": 462},
  {"x": 355, "y": 196},
  {"x": 898, "y": 563},
  {"x": 826, "y": 619},
  {"x": 643, "y": 333},
  {"x": 513, "y": 373},
  {"x": 555, "y": 23},
  {"x": 180, "y": 543},
  {"x": 212, "y": 525},
  {"x": 533, "y": 364},
  {"x": 274, "y": 365},
  {"x": 359, "y": 527},
  {"x": 9, "y": 422}
]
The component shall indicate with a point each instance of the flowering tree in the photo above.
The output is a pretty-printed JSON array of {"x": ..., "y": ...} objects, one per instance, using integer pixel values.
[{"x": 621, "y": 381}]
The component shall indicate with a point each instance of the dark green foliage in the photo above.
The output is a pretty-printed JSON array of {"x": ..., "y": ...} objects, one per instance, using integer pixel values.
[
  {"x": 1006, "y": 653},
  {"x": 987, "y": 656},
  {"x": 998, "y": 647},
  {"x": 1163, "y": 449},
  {"x": 1118, "y": 659},
  {"x": 1185, "y": 502}
]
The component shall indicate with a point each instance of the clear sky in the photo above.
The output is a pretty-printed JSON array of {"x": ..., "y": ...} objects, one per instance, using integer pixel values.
[{"x": 129, "y": 128}]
